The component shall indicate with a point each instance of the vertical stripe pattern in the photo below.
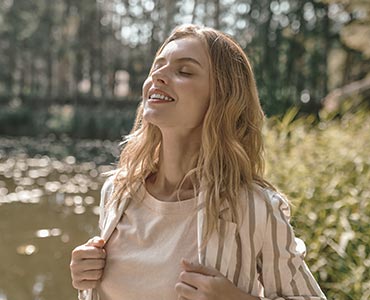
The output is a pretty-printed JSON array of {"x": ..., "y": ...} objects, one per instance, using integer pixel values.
[
  {"x": 290, "y": 276},
  {"x": 220, "y": 245},
  {"x": 238, "y": 258},
  {"x": 276, "y": 250},
  {"x": 261, "y": 257},
  {"x": 252, "y": 228},
  {"x": 289, "y": 241}
]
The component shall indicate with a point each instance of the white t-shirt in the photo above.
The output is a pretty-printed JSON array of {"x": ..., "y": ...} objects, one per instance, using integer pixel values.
[{"x": 146, "y": 248}]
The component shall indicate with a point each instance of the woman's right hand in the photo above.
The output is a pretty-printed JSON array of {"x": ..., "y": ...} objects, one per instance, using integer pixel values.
[{"x": 87, "y": 264}]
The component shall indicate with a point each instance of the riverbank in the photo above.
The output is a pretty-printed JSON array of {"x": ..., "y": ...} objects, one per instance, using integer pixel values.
[{"x": 102, "y": 152}]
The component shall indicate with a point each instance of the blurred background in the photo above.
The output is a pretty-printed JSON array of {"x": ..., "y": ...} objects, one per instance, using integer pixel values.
[{"x": 70, "y": 80}]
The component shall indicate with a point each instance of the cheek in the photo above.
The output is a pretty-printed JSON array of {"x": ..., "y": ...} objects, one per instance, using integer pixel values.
[
  {"x": 146, "y": 85},
  {"x": 205, "y": 108},
  {"x": 204, "y": 97}
]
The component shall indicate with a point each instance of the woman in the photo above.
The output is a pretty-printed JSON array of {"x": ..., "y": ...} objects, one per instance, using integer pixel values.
[{"x": 188, "y": 214}]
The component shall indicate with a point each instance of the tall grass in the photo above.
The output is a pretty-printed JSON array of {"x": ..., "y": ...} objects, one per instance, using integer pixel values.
[{"x": 324, "y": 169}]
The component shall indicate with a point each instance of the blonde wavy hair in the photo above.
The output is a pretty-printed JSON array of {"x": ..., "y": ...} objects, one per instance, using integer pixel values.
[{"x": 231, "y": 150}]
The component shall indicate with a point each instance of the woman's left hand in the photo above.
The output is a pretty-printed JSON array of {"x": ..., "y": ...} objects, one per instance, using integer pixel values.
[{"x": 198, "y": 282}]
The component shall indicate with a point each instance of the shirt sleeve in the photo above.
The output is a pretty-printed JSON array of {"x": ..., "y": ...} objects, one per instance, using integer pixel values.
[{"x": 285, "y": 274}]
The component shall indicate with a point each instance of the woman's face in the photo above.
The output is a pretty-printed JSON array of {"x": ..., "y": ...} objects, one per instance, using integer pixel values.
[{"x": 176, "y": 93}]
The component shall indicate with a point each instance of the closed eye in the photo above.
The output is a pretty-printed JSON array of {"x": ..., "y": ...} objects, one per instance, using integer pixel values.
[{"x": 185, "y": 73}]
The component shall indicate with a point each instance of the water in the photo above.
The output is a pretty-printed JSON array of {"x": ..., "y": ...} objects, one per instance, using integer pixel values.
[{"x": 47, "y": 207}]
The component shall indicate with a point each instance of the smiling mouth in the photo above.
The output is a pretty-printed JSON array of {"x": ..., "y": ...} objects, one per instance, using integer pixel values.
[{"x": 157, "y": 96}]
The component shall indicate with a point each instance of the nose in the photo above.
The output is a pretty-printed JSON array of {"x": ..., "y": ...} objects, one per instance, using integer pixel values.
[{"x": 160, "y": 76}]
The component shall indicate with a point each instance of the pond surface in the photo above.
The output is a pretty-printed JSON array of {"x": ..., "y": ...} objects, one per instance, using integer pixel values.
[{"x": 47, "y": 207}]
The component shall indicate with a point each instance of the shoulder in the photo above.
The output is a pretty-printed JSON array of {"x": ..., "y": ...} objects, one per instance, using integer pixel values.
[
  {"x": 107, "y": 187},
  {"x": 105, "y": 195},
  {"x": 260, "y": 204},
  {"x": 265, "y": 212},
  {"x": 272, "y": 200},
  {"x": 112, "y": 186}
]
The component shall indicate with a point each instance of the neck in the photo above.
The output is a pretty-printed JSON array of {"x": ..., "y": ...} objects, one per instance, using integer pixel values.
[{"x": 177, "y": 158}]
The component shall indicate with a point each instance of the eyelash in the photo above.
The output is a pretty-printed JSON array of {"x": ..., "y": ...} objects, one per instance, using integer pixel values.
[{"x": 185, "y": 73}]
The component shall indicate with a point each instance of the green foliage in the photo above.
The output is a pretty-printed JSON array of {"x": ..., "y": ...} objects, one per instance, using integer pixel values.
[
  {"x": 99, "y": 122},
  {"x": 325, "y": 172},
  {"x": 102, "y": 123},
  {"x": 60, "y": 118},
  {"x": 66, "y": 48},
  {"x": 21, "y": 120}
]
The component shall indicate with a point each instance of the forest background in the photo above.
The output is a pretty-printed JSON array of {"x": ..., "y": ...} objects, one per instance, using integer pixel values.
[{"x": 70, "y": 81}]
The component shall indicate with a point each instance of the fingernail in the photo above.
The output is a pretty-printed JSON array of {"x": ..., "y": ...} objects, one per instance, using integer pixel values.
[{"x": 96, "y": 240}]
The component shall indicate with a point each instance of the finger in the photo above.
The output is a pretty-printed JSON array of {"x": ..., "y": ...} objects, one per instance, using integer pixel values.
[
  {"x": 96, "y": 241},
  {"x": 88, "y": 252},
  {"x": 87, "y": 264},
  {"x": 198, "y": 268},
  {"x": 92, "y": 274},
  {"x": 194, "y": 280},
  {"x": 185, "y": 291}
]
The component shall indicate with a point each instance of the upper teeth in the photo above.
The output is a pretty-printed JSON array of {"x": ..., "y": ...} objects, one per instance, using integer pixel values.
[{"x": 160, "y": 96}]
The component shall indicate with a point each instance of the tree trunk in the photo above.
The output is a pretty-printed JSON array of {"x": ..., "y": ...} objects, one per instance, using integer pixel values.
[
  {"x": 327, "y": 40},
  {"x": 100, "y": 55},
  {"x": 193, "y": 15},
  {"x": 217, "y": 14},
  {"x": 170, "y": 7},
  {"x": 267, "y": 63},
  {"x": 49, "y": 51}
]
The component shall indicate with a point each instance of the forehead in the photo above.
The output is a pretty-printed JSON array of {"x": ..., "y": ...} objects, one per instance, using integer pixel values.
[{"x": 185, "y": 47}]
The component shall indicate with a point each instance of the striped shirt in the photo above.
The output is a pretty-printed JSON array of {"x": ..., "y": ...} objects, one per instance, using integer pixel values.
[
  {"x": 268, "y": 258},
  {"x": 262, "y": 256}
]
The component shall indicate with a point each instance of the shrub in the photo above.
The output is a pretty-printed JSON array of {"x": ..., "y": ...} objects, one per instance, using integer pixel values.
[{"x": 325, "y": 172}]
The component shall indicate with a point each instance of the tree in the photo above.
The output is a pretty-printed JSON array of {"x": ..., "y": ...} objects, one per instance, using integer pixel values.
[{"x": 70, "y": 48}]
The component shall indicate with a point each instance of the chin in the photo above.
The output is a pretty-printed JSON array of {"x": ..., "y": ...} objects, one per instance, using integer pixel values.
[{"x": 150, "y": 119}]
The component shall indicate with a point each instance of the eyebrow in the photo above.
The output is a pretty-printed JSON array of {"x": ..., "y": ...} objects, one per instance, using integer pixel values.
[{"x": 181, "y": 59}]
